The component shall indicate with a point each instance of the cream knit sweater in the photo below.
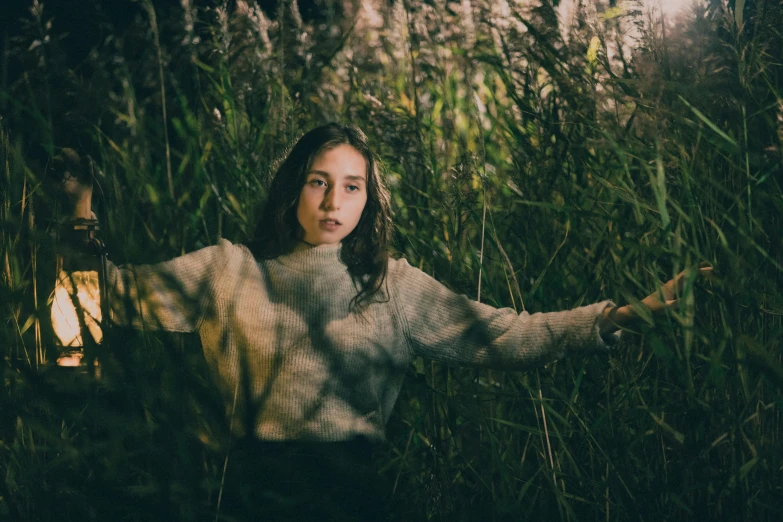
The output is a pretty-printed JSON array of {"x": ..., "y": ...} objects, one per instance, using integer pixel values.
[{"x": 290, "y": 359}]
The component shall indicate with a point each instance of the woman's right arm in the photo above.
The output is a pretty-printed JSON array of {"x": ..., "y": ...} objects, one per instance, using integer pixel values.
[
  {"x": 171, "y": 296},
  {"x": 174, "y": 295}
]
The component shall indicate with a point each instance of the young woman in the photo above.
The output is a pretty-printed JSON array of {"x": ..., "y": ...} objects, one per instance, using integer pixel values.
[{"x": 309, "y": 329}]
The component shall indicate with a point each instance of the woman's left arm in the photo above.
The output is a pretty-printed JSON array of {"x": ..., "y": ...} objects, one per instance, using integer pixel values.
[{"x": 442, "y": 325}]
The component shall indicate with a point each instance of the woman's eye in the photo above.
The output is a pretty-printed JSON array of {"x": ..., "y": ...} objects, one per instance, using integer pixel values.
[
  {"x": 318, "y": 183},
  {"x": 353, "y": 188}
]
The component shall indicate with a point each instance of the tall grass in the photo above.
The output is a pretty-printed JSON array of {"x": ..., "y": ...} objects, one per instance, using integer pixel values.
[{"x": 535, "y": 162}]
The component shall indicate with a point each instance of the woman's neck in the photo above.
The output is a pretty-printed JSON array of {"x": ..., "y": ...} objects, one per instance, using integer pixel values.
[{"x": 302, "y": 245}]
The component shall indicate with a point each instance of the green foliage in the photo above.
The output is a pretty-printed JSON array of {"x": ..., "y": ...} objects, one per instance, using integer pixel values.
[{"x": 535, "y": 162}]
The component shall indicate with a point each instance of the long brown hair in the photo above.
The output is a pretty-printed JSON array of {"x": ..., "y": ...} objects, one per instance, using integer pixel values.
[{"x": 365, "y": 251}]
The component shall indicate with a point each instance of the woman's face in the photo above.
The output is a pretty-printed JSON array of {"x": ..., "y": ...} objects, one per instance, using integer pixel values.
[{"x": 333, "y": 196}]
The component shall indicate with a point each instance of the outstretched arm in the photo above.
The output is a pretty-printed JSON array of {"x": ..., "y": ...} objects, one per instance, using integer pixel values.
[
  {"x": 452, "y": 328},
  {"x": 170, "y": 296}
]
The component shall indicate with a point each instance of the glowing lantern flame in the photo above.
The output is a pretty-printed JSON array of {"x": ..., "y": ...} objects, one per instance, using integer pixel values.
[{"x": 65, "y": 318}]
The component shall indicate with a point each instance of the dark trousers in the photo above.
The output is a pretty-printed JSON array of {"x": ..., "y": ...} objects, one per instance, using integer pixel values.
[{"x": 302, "y": 481}]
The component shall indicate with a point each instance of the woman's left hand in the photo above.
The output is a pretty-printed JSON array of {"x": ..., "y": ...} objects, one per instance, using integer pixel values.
[{"x": 657, "y": 303}]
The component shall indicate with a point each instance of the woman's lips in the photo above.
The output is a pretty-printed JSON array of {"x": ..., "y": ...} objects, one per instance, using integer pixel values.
[{"x": 329, "y": 225}]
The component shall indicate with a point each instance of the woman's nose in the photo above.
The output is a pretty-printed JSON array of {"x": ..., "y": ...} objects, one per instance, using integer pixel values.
[{"x": 331, "y": 200}]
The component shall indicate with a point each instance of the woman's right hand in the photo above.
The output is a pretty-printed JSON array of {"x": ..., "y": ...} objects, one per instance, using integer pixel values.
[{"x": 74, "y": 176}]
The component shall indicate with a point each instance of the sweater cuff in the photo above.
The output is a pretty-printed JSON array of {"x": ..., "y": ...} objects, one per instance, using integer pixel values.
[{"x": 605, "y": 342}]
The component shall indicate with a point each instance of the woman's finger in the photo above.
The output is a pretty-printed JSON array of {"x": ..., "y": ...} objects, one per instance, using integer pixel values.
[{"x": 678, "y": 283}]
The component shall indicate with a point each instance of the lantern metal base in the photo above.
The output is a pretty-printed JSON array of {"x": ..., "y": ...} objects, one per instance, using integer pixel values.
[{"x": 70, "y": 359}]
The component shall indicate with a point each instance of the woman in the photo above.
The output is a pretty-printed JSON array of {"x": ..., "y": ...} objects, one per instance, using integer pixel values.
[{"x": 309, "y": 329}]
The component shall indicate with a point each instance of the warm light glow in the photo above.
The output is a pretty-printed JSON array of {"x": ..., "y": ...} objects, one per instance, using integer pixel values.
[
  {"x": 65, "y": 321},
  {"x": 70, "y": 360},
  {"x": 669, "y": 6}
]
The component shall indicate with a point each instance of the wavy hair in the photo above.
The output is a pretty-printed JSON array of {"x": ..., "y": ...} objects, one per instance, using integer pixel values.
[{"x": 365, "y": 251}]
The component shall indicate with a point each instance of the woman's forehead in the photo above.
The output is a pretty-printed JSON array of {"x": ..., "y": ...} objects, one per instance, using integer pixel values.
[{"x": 340, "y": 161}]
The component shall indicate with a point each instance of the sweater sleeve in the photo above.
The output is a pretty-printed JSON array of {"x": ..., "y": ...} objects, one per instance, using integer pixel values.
[
  {"x": 172, "y": 295},
  {"x": 452, "y": 328}
]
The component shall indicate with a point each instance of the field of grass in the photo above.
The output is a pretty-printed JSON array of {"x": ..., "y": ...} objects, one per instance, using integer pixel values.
[{"x": 536, "y": 160}]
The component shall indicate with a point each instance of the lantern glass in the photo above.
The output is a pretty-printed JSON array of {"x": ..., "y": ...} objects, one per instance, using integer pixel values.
[
  {"x": 76, "y": 306},
  {"x": 78, "y": 299}
]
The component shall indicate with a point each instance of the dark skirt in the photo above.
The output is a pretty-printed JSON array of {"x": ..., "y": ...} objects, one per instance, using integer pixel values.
[{"x": 301, "y": 481}]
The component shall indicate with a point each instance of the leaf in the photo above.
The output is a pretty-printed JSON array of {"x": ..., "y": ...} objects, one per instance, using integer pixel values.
[
  {"x": 407, "y": 103},
  {"x": 723, "y": 241},
  {"x": 201, "y": 65},
  {"x": 27, "y": 324},
  {"x": 612, "y": 13},
  {"x": 709, "y": 124},
  {"x": 679, "y": 437},
  {"x": 202, "y": 203},
  {"x": 516, "y": 425},
  {"x": 739, "y": 8},
  {"x": 592, "y": 51},
  {"x": 153, "y": 194},
  {"x": 236, "y": 205},
  {"x": 658, "y": 182},
  {"x": 745, "y": 469}
]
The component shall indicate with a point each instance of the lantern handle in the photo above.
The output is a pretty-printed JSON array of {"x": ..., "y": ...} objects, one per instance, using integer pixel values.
[{"x": 80, "y": 224}]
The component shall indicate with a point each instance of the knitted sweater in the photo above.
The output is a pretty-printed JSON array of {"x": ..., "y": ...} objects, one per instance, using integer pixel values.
[{"x": 290, "y": 358}]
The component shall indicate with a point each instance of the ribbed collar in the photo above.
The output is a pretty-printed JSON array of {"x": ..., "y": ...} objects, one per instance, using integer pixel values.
[{"x": 314, "y": 259}]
